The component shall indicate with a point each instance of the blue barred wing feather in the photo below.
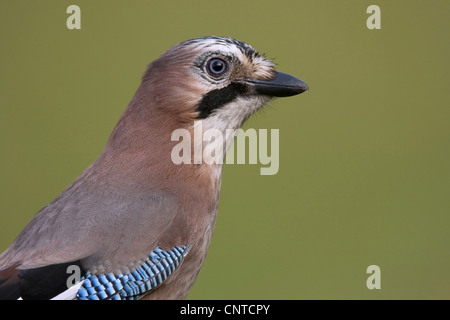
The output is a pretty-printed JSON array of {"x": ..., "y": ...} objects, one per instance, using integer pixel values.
[{"x": 159, "y": 265}]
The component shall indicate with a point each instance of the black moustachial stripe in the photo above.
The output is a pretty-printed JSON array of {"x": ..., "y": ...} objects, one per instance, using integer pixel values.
[{"x": 216, "y": 99}]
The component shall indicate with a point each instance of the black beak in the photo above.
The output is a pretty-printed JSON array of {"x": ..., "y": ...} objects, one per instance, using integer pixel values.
[{"x": 283, "y": 85}]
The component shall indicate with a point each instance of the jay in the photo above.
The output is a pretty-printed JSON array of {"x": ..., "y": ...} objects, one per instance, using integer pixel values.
[{"x": 135, "y": 225}]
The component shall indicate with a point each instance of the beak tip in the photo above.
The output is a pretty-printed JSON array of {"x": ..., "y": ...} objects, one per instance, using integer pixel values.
[{"x": 302, "y": 87}]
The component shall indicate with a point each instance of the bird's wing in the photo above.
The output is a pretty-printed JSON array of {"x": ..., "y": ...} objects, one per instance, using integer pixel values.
[
  {"x": 100, "y": 233},
  {"x": 159, "y": 265}
]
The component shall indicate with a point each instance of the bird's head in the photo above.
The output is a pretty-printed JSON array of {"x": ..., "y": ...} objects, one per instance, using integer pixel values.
[
  {"x": 220, "y": 81},
  {"x": 213, "y": 81}
]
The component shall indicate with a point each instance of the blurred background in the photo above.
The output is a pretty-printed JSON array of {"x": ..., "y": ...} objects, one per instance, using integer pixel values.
[{"x": 364, "y": 176}]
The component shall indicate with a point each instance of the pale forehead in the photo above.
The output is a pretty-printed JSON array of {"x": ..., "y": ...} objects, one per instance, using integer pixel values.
[
  {"x": 235, "y": 47},
  {"x": 230, "y": 49}
]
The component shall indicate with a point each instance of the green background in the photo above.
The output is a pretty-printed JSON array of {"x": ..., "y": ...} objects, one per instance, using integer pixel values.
[{"x": 364, "y": 155}]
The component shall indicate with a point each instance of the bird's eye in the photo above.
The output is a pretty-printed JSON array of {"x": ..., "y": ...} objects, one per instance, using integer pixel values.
[{"x": 216, "y": 67}]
